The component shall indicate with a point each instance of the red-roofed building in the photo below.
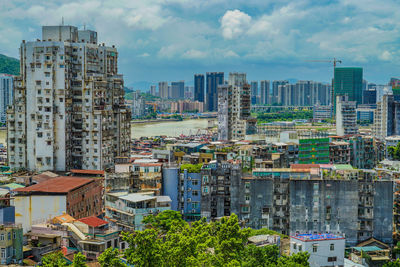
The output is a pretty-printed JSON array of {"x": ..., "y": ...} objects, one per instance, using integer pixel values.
[
  {"x": 79, "y": 197},
  {"x": 93, "y": 221}
]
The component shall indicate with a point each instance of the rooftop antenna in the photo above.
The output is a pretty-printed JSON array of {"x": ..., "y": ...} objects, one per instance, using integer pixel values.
[{"x": 62, "y": 21}]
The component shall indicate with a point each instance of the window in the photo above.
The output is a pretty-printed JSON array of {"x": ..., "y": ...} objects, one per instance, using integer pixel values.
[
  {"x": 61, "y": 99},
  {"x": 39, "y": 134},
  {"x": 247, "y": 185},
  {"x": 9, "y": 235},
  {"x": 247, "y": 197},
  {"x": 294, "y": 246},
  {"x": 205, "y": 189},
  {"x": 38, "y": 82},
  {"x": 332, "y": 247},
  {"x": 195, "y": 193},
  {"x": 331, "y": 259},
  {"x": 300, "y": 248},
  {"x": 314, "y": 248},
  {"x": 195, "y": 182},
  {"x": 245, "y": 209},
  {"x": 3, "y": 253},
  {"x": 47, "y": 74},
  {"x": 2, "y": 237},
  {"x": 205, "y": 179}
]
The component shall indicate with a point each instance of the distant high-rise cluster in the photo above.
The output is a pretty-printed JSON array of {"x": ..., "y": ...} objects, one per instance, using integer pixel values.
[{"x": 68, "y": 110}]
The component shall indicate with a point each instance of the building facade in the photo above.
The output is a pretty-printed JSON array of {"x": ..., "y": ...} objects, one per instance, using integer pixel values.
[
  {"x": 178, "y": 90},
  {"x": 213, "y": 80},
  {"x": 265, "y": 94},
  {"x": 387, "y": 117},
  {"x": 348, "y": 81},
  {"x": 346, "y": 116},
  {"x": 163, "y": 90},
  {"x": 199, "y": 87},
  {"x": 6, "y": 95},
  {"x": 68, "y": 109}
]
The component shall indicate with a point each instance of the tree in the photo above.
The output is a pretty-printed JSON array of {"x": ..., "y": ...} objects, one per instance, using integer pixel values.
[
  {"x": 110, "y": 258},
  {"x": 55, "y": 259},
  {"x": 395, "y": 263},
  {"x": 394, "y": 151},
  {"x": 164, "y": 220},
  {"x": 79, "y": 260}
]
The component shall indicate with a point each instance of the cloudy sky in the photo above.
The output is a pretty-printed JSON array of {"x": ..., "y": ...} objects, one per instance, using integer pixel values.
[{"x": 173, "y": 39}]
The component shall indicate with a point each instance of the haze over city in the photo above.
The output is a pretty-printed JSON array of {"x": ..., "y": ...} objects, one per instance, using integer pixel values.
[{"x": 172, "y": 40}]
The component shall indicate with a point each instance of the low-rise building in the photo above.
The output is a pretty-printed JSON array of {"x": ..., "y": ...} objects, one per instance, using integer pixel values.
[
  {"x": 11, "y": 244},
  {"x": 339, "y": 153},
  {"x": 79, "y": 197},
  {"x": 324, "y": 249},
  {"x": 127, "y": 210}
]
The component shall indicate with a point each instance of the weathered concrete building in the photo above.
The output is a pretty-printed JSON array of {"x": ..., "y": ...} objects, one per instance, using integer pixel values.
[
  {"x": 343, "y": 201},
  {"x": 79, "y": 197},
  {"x": 68, "y": 110},
  {"x": 219, "y": 189}
]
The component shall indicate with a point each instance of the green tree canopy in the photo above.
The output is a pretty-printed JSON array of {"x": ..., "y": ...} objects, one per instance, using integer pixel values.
[
  {"x": 55, "y": 259},
  {"x": 110, "y": 258},
  {"x": 394, "y": 151}
]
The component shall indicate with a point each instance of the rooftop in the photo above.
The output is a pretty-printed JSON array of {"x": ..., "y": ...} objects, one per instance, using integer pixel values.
[
  {"x": 62, "y": 184},
  {"x": 93, "y": 221},
  {"x": 92, "y": 172},
  {"x": 316, "y": 237}
]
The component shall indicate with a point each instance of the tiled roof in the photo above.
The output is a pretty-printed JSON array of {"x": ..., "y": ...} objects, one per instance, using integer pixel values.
[
  {"x": 93, "y": 221},
  {"x": 94, "y": 172},
  {"x": 62, "y": 184}
]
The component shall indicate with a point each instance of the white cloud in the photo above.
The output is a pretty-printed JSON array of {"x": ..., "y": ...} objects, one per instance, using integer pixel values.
[
  {"x": 386, "y": 55},
  {"x": 230, "y": 54},
  {"x": 234, "y": 23},
  {"x": 144, "y": 55},
  {"x": 194, "y": 54}
]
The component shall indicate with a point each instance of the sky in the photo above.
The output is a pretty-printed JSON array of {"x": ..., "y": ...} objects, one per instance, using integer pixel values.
[{"x": 172, "y": 40}]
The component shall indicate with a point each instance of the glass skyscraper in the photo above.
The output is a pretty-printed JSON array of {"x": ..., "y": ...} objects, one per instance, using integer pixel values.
[
  {"x": 213, "y": 80},
  {"x": 348, "y": 81}
]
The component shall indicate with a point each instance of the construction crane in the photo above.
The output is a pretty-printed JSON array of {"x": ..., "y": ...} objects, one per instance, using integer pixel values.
[
  {"x": 334, "y": 61},
  {"x": 152, "y": 104}
]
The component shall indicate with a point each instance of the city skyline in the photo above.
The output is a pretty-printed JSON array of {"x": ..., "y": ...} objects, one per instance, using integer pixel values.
[{"x": 173, "y": 40}]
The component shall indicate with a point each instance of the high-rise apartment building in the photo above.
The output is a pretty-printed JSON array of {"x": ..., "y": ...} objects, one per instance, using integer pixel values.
[
  {"x": 387, "y": 117},
  {"x": 265, "y": 97},
  {"x": 68, "y": 110},
  {"x": 178, "y": 90},
  {"x": 199, "y": 87},
  {"x": 234, "y": 120},
  {"x": 6, "y": 95},
  {"x": 254, "y": 92},
  {"x": 276, "y": 98},
  {"x": 153, "y": 90},
  {"x": 138, "y": 105},
  {"x": 346, "y": 116},
  {"x": 163, "y": 90},
  {"x": 348, "y": 81},
  {"x": 213, "y": 79}
]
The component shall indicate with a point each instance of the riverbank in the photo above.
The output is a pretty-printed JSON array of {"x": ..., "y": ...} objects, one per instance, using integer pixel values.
[{"x": 153, "y": 121}]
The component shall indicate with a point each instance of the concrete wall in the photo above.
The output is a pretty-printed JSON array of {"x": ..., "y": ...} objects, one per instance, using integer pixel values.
[
  {"x": 170, "y": 183},
  {"x": 35, "y": 209},
  {"x": 383, "y": 210}
]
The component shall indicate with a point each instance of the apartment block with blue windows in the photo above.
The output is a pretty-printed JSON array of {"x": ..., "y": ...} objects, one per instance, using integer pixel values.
[{"x": 190, "y": 195}]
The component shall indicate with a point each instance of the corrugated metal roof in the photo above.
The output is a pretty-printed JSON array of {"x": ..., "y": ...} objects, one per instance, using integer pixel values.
[
  {"x": 62, "y": 184},
  {"x": 136, "y": 197}
]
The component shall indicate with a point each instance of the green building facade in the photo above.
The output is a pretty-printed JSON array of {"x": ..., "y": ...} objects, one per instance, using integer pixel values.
[
  {"x": 314, "y": 151},
  {"x": 348, "y": 81}
]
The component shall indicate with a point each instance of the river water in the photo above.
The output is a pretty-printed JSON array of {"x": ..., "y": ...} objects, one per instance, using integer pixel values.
[{"x": 170, "y": 128}]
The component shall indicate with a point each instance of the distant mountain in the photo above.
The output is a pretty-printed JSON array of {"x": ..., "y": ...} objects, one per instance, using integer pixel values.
[{"x": 9, "y": 65}]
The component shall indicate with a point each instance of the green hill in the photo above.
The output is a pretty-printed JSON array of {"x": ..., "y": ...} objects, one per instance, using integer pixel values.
[{"x": 9, "y": 65}]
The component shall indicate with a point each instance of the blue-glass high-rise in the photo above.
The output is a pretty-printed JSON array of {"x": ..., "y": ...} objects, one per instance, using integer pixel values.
[
  {"x": 213, "y": 80},
  {"x": 199, "y": 87}
]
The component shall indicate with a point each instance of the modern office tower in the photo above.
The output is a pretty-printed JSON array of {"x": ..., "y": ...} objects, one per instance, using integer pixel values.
[
  {"x": 189, "y": 91},
  {"x": 163, "y": 90},
  {"x": 265, "y": 95},
  {"x": 369, "y": 96},
  {"x": 153, "y": 90},
  {"x": 254, "y": 92},
  {"x": 387, "y": 117},
  {"x": 213, "y": 79},
  {"x": 346, "y": 116},
  {"x": 199, "y": 87},
  {"x": 68, "y": 110},
  {"x": 6, "y": 95},
  {"x": 178, "y": 90},
  {"x": 276, "y": 98},
  {"x": 138, "y": 105},
  {"x": 234, "y": 120},
  {"x": 348, "y": 81}
]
